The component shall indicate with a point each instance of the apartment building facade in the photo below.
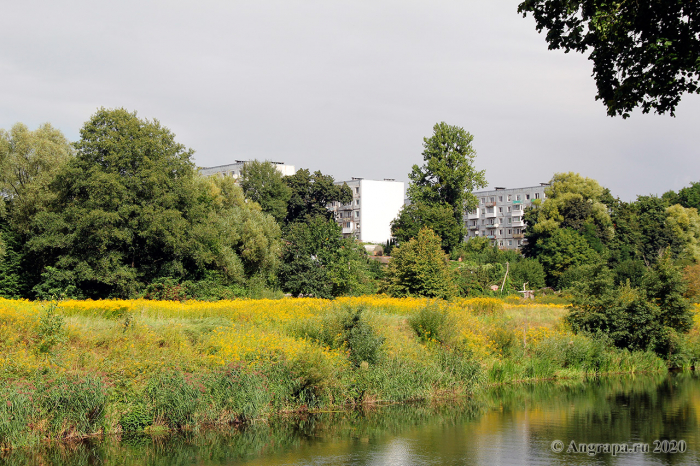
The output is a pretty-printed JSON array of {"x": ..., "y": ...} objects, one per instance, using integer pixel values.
[
  {"x": 234, "y": 169},
  {"x": 499, "y": 216},
  {"x": 374, "y": 205}
]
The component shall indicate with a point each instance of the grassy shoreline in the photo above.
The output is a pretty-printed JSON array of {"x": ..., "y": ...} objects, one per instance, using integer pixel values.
[{"x": 79, "y": 368}]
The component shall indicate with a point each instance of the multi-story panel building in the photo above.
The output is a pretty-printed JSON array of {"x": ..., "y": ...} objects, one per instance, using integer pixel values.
[
  {"x": 234, "y": 169},
  {"x": 374, "y": 205},
  {"x": 499, "y": 216}
]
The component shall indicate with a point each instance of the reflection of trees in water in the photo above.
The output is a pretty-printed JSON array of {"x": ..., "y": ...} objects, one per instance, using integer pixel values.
[{"x": 615, "y": 409}]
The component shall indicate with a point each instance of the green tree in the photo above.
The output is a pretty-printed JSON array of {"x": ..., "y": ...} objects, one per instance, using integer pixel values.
[
  {"x": 571, "y": 227},
  {"x": 130, "y": 209},
  {"x": 29, "y": 160},
  {"x": 437, "y": 217},
  {"x": 419, "y": 268},
  {"x": 319, "y": 262},
  {"x": 684, "y": 224},
  {"x": 689, "y": 196},
  {"x": 644, "y": 53},
  {"x": 646, "y": 318},
  {"x": 120, "y": 216},
  {"x": 235, "y": 238},
  {"x": 448, "y": 175},
  {"x": 562, "y": 249},
  {"x": 264, "y": 184},
  {"x": 311, "y": 194}
]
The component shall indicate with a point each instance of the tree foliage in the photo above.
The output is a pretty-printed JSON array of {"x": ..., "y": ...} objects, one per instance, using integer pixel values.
[
  {"x": 437, "y": 217},
  {"x": 264, "y": 184},
  {"x": 571, "y": 227},
  {"x": 129, "y": 209},
  {"x": 319, "y": 262},
  {"x": 29, "y": 160},
  {"x": 419, "y": 268},
  {"x": 645, "y": 54},
  {"x": 448, "y": 176},
  {"x": 311, "y": 194},
  {"x": 646, "y": 318}
]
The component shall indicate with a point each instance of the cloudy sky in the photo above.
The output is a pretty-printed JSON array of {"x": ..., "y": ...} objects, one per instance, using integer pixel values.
[{"x": 350, "y": 88}]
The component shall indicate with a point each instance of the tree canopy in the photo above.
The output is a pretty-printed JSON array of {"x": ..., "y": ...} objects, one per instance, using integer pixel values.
[
  {"x": 645, "y": 54},
  {"x": 419, "y": 268},
  {"x": 319, "y": 262},
  {"x": 28, "y": 162},
  {"x": 311, "y": 194},
  {"x": 438, "y": 217},
  {"x": 130, "y": 208},
  {"x": 264, "y": 184},
  {"x": 448, "y": 176}
]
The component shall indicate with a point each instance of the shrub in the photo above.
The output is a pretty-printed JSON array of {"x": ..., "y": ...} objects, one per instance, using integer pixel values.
[
  {"x": 419, "y": 268},
  {"x": 136, "y": 419},
  {"x": 361, "y": 340},
  {"x": 432, "y": 323},
  {"x": 50, "y": 330}
]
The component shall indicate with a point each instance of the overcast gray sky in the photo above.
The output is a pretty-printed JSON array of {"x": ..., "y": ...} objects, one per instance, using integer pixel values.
[{"x": 346, "y": 87}]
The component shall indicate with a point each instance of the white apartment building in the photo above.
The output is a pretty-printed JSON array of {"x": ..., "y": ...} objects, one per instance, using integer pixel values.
[
  {"x": 374, "y": 205},
  {"x": 234, "y": 169},
  {"x": 499, "y": 216}
]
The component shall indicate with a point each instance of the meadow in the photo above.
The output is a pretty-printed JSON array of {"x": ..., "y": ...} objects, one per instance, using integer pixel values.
[{"x": 72, "y": 369}]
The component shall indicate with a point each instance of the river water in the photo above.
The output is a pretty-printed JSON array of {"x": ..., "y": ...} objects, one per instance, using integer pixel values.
[{"x": 595, "y": 421}]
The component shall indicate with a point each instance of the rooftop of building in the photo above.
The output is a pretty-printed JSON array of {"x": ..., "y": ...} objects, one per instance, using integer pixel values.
[
  {"x": 236, "y": 162},
  {"x": 499, "y": 189}
]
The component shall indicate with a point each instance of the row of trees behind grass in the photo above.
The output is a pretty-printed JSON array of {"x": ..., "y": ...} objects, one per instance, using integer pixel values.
[{"x": 123, "y": 213}]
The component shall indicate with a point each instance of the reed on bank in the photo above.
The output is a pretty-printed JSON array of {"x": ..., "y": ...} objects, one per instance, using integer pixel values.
[{"x": 78, "y": 368}]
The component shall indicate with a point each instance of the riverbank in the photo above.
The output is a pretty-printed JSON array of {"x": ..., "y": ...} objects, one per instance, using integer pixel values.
[{"x": 78, "y": 368}]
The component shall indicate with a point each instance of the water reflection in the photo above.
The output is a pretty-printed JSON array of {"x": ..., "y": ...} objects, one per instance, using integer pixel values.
[{"x": 508, "y": 425}]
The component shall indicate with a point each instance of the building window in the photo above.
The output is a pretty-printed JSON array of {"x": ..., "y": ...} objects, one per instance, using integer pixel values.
[
  {"x": 347, "y": 224},
  {"x": 527, "y": 197},
  {"x": 508, "y": 197},
  {"x": 516, "y": 207},
  {"x": 518, "y": 242},
  {"x": 510, "y": 243},
  {"x": 509, "y": 232},
  {"x": 493, "y": 199},
  {"x": 500, "y": 232},
  {"x": 500, "y": 243},
  {"x": 357, "y": 214},
  {"x": 357, "y": 202},
  {"x": 508, "y": 208},
  {"x": 500, "y": 209},
  {"x": 483, "y": 200},
  {"x": 500, "y": 198},
  {"x": 509, "y": 220},
  {"x": 537, "y": 195},
  {"x": 517, "y": 197}
]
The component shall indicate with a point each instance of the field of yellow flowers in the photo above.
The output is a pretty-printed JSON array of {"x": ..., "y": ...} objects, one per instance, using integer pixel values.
[{"x": 158, "y": 364}]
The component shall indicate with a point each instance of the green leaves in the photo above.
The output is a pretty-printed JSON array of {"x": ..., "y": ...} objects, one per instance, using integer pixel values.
[
  {"x": 419, "y": 268},
  {"x": 438, "y": 217},
  {"x": 448, "y": 176},
  {"x": 644, "y": 53},
  {"x": 130, "y": 209}
]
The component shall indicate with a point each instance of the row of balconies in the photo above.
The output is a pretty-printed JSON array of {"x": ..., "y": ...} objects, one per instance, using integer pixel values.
[
  {"x": 517, "y": 224},
  {"x": 494, "y": 214}
]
